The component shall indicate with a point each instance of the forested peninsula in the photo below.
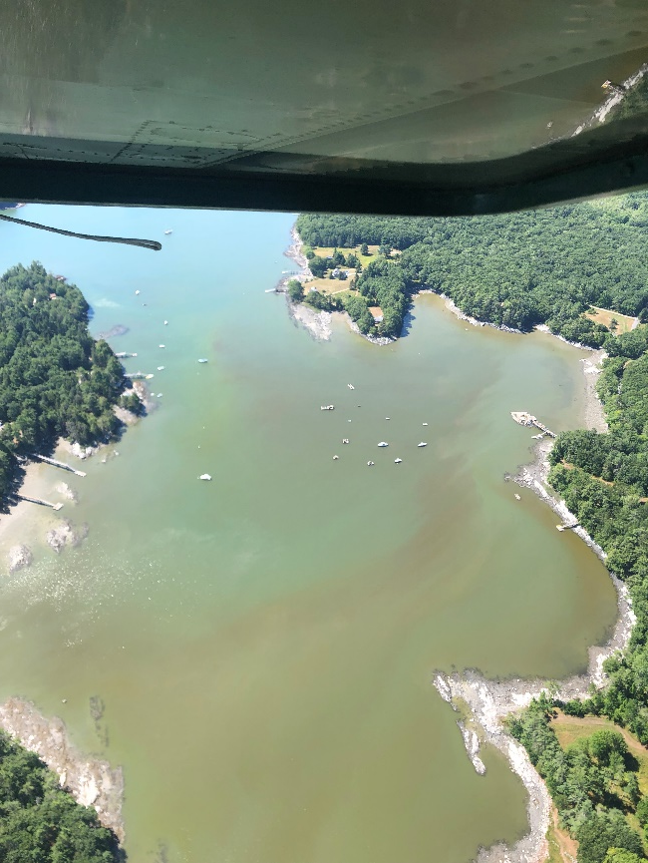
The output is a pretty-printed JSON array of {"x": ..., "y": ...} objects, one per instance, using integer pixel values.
[
  {"x": 555, "y": 267},
  {"x": 40, "y": 821},
  {"x": 56, "y": 381},
  {"x": 580, "y": 270}
]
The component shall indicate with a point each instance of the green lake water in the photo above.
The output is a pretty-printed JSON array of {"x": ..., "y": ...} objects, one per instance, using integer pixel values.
[{"x": 264, "y": 643}]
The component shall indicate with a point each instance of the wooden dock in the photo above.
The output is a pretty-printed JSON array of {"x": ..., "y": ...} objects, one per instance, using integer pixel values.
[
  {"x": 524, "y": 418},
  {"x": 55, "y": 506},
  {"x": 55, "y": 463}
]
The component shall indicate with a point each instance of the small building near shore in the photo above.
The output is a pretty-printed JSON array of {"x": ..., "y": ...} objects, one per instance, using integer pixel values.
[{"x": 376, "y": 314}]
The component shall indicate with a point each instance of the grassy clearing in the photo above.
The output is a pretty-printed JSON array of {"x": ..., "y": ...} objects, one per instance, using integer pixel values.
[
  {"x": 329, "y": 286},
  {"x": 327, "y": 252},
  {"x": 605, "y": 317},
  {"x": 568, "y": 729}
]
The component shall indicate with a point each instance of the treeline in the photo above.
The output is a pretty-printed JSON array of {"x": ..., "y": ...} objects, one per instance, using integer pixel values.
[
  {"x": 593, "y": 783},
  {"x": 603, "y": 478},
  {"x": 396, "y": 232},
  {"x": 515, "y": 270},
  {"x": 55, "y": 379},
  {"x": 40, "y": 821}
]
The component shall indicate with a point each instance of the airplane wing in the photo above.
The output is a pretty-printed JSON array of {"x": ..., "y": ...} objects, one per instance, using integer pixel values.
[{"x": 431, "y": 107}]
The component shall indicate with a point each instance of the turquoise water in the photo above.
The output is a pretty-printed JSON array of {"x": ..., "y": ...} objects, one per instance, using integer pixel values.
[{"x": 264, "y": 643}]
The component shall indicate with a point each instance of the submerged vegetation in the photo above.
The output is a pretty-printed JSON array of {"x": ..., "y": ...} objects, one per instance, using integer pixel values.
[
  {"x": 40, "y": 821},
  {"x": 515, "y": 270},
  {"x": 55, "y": 379}
]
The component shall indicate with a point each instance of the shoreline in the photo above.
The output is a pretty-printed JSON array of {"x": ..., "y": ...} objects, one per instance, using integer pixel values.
[
  {"x": 91, "y": 781},
  {"x": 483, "y": 704},
  {"x": 318, "y": 323}
]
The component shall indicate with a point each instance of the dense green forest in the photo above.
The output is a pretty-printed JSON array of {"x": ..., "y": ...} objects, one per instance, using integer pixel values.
[
  {"x": 515, "y": 270},
  {"x": 55, "y": 379},
  {"x": 40, "y": 822}
]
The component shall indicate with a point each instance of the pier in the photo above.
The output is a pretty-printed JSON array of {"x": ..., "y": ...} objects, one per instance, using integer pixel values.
[
  {"x": 55, "y": 506},
  {"x": 55, "y": 463},
  {"x": 138, "y": 376},
  {"x": 524, "y": 418}
]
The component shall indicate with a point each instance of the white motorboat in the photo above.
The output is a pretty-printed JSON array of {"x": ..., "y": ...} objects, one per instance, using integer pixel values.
[
  {"x": 370, "y": 463},
  {"x": 422, "y": 444},
  {"x": 383, "y": 443},
  {"x": 398, "y": 460},
  {"x": 350, "y": 386},
  {"x": 203, "y": 360},
  {"x": 161, "y": 368},
  {"x": 161, "y": 346},
  {"x": 167, "y": 232},
  {"x": 204, "y": 476},
  {"x": 327, "y": 408}
]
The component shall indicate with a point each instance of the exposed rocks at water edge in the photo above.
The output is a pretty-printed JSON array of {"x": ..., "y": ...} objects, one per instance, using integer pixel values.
[
  {"x": 65, "y": 491},
  {"x": 64, "y": 534},
  {"x": 92, "y": 782},
  {"x": 482, "y": 705},
  {"x": 19, "y": 557},
  {"x": 317, "y": 323}
]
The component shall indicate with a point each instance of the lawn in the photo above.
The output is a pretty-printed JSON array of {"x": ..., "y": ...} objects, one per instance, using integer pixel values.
[
  {"x": 568, "y": 729},
  {"x": 327, "y": 252},
  {"x": 329, "y": 286},
  {"x": 605, "y": 316}
]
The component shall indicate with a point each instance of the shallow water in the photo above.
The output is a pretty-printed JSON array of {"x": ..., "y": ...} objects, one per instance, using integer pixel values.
[{"x": 264, "y": 643}]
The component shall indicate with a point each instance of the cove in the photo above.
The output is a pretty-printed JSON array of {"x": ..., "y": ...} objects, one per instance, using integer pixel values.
[{"x": 264, "y": 643}]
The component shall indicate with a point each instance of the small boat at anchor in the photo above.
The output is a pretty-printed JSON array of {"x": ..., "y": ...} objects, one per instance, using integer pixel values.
[
  {"x": 383, "y": 443},
  {"x": 422, "y": 444},
  {"x": 371, "y": 463},
  {"x": 161, "y": 368},
  {"x": 345, "y": 440},
  {"x": 327, "y": 408},
  {"x": 398, "y": 460},
  {"x": 203, "y": 360},
  {"x": 350, "y": 386},
  {"x": 204, "y": 476},
  {"x": 167, "y": 232}
]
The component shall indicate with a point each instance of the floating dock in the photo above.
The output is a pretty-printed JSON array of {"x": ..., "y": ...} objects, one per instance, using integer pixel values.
[
  {"x": 55, "y": 463},
  {"x": 123, "y": 355},
  {"x": 524, "y": 418}
]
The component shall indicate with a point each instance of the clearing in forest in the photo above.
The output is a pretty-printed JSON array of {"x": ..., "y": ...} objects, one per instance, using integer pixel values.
[{"x": 605, "y": 316}]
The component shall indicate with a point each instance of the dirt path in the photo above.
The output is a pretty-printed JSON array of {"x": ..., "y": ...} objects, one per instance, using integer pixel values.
[{"x": 567, "y": 847}]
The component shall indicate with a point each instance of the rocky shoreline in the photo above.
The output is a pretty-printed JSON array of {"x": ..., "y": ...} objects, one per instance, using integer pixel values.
[
  {"x": 91, "y": 782},
  {"x": 318, "y": 323},
  {"x": 482, "y": 705}
]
